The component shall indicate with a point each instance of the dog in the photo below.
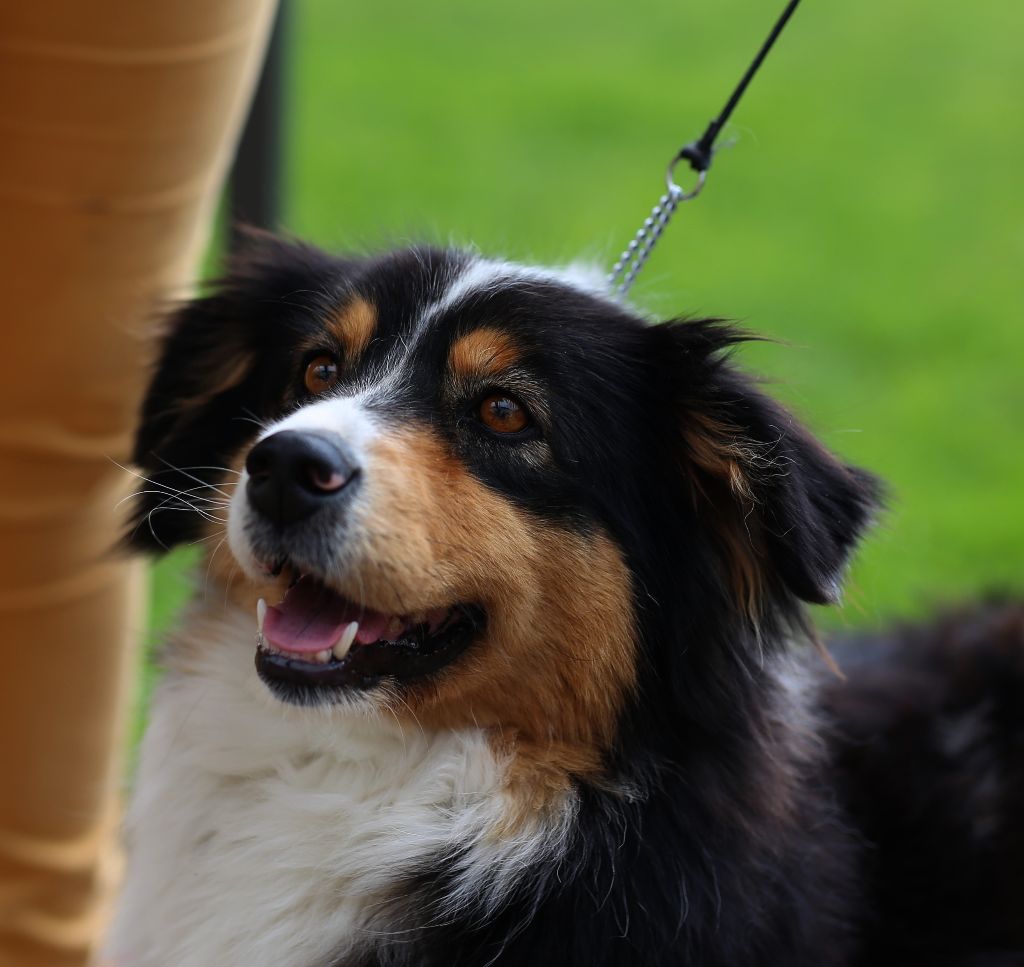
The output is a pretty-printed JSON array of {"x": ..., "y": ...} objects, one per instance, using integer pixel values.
[{"x": 523, "y": 576}]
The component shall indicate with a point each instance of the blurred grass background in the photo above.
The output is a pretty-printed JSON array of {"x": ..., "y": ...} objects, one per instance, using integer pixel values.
[{"x": 868, "y": 214}]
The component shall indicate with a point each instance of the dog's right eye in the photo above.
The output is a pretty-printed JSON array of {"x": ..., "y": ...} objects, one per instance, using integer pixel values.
[{"x": 321, "y": 374}]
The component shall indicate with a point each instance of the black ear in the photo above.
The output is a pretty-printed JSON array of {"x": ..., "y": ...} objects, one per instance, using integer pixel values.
[
  {"x": 218, "y": 374},
  {"x": 790, "y": 509}
]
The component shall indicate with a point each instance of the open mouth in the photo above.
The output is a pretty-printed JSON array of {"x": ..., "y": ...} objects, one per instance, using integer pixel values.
[{"x": 316, "y": 639}]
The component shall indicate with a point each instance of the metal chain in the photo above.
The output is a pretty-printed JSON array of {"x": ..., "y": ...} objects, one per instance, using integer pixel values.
[{"x": 635, "y": 255}]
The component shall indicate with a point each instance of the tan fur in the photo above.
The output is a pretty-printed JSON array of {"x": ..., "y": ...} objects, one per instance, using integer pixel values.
[
  {"x": 353, "y": 326},
  {"x": 720, "y": 462},
  {"x": 540, "y": 778},
  {"x": 485, "y": 352},
  {"x": 559, "y": 654}
]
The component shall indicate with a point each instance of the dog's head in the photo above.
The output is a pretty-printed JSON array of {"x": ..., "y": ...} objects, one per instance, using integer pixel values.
[{"x": 483, "y": 493}]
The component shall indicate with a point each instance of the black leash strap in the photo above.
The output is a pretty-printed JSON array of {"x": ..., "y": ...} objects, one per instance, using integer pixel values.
[{"x": 699, "y": 154}]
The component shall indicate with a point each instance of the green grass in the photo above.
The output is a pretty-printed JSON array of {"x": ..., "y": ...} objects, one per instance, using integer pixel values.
[{"x": 868, "y": 216}]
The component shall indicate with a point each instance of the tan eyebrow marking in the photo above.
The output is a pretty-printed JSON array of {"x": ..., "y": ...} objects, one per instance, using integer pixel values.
[
  {"x": 483, "y": 352},
  {"x": 354, "y": 325}
]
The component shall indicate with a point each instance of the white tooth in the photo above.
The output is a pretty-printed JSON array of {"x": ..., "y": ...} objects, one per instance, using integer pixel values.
[
  {"x": 261, "y": 614},
  {"x": 323, "y": 656},
  {"x": 344, "y": 643}
]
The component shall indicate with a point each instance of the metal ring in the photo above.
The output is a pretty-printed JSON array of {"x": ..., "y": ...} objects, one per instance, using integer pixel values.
[{"x": 681, "y": 194}]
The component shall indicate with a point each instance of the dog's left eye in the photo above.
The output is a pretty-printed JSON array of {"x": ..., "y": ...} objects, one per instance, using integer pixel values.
[
  {"x": 321, "y": 374},
  {"x": 503, "y": 414}
]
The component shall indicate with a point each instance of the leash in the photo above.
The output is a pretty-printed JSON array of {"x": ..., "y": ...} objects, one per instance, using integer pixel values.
[{"x": 699, "y": 154}]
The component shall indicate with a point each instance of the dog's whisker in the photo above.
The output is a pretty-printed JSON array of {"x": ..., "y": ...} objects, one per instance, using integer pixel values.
[
  {"x": 191, "y": 476},
  {"x": 186, "y": 508},
  {"x": 166, "y": 488},
  {"x": 209, "y": 563},
  {"x": 178, "y": 495}
]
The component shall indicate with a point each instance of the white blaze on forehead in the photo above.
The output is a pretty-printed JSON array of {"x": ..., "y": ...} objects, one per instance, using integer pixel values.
[
  {"x": 344, "y": 415},
  {"x": 484, "y": 276},
  {"x": 477, "y": 277}
]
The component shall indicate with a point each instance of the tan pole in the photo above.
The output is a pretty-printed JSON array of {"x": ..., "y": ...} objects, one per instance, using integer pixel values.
[{"x": 117, "y": 123}]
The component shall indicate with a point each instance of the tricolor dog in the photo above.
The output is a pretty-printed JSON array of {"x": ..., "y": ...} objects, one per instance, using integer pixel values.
[{"x": 499, "y": 655}]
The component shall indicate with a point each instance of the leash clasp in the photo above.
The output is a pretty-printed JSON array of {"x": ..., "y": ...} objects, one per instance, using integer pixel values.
[{"x": 681, "y": 194}]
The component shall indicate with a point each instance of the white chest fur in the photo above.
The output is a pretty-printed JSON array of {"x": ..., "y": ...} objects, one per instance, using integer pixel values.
[{"x": 262, "y": 834}]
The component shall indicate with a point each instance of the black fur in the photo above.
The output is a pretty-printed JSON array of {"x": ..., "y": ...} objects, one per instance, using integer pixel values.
[
  {"x": 928, "y": 742},
  {"x": 746, "y": 835}
]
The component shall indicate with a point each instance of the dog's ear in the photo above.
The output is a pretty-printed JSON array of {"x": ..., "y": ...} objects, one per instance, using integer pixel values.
[
  {"x": 785, "y": 511},
  {"x": 214, "y": 381}
]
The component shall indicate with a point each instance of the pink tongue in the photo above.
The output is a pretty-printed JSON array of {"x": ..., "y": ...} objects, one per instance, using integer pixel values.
[{"x": 312, "y": 618}]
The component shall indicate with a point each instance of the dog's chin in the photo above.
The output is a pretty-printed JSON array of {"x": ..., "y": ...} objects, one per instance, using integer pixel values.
[{"x": 317, "y": 646}]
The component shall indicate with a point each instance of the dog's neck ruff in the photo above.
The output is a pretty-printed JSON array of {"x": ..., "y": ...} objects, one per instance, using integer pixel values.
[{"x": 266, "y": 835}]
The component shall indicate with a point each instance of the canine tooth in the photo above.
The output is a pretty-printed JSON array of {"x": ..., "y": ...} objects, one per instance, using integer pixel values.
[
  {"x": 261, "y": 614},
  {"x": 344, "y": 643}
]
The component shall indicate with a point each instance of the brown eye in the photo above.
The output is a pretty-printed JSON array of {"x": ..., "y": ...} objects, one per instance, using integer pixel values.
[
  {"x": 503, "y": 414},
  {"x": 321, "y": 374}
]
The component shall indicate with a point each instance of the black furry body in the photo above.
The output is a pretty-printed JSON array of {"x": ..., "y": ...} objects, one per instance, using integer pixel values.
[
  {"x": 861, "y": 823},
  {"x": 928, "y": 751},
  {"x": 906, "y": 848}
]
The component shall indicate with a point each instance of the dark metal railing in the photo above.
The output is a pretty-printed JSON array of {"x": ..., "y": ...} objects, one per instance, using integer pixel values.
[{"x": 255, "y": 186}]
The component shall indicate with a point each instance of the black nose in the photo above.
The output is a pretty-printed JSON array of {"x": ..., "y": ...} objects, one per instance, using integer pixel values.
[{"x": 294, "y": 473}]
